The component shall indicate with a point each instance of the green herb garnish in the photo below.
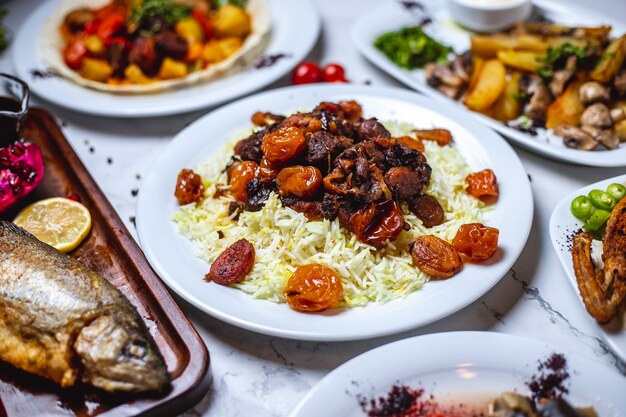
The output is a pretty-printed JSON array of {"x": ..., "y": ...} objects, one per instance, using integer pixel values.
[
  {"x": 148, "y": 12},
  {"x": 411, "y": 48},
  {"x": 4, "y": 36},
  {"x": 557, "y": 57},
  {"x": 238, "y": 3}
]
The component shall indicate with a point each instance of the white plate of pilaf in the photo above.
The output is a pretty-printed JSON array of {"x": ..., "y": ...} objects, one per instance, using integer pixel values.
[{"x": 383, "y": 293}]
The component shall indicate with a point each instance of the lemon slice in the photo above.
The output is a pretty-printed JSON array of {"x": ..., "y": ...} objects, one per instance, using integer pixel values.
[{"x": 57, "y": 221}]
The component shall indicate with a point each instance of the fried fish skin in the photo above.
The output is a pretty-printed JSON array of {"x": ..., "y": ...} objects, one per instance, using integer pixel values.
[{"x": 63, "y": 321}]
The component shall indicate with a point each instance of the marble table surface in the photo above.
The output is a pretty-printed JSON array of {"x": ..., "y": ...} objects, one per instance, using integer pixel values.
[{"x": 262, "y": 376}]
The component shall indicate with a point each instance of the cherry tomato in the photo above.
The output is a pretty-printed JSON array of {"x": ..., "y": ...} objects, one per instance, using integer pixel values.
[
  {"x": 111, "y": 25},
  {"x": 204, "y": 22},
  {"x": 477, "y": 241},
  {"x": 313, "y": 287},
  {"x": 307, "y": 73},
  {"x": 189, "y": 188},
  {"x": 334, "y": 73},
  {"x": 483, "y": 185},
  {"x": 74, "y": 53},
  {"x": 239, "y": 174},
  {"x": 378, "y": 223},
  {"x": 435, "y": 257},
  {"x": 283, "y": 145},
  {"x": 299, "y": 181}
]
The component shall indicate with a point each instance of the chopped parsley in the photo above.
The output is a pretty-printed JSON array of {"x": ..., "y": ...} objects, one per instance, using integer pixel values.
[
  {"x": 238, "y": 3},
  {"x": 149, "y": 12},
  {"x": 557, "y": 57},
  {"x": 411, "y": 48}
]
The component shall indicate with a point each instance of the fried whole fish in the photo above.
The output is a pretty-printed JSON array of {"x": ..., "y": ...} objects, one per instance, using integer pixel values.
[{"x": 63, "y": 321}]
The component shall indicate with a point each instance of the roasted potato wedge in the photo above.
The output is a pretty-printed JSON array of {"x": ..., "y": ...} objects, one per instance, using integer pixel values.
[
  {"x": 488, "y": 86},
  {"x": 508, "y": 106},
  {"x": 487, "y": 46},
  {"x": 611, "y": 61},
  {"x": 567, "y": 108},
  {"x": 521, "y": 60}
]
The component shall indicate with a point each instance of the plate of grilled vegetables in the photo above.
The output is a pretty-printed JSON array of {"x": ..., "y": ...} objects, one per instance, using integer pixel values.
[
  {"x": 587, "y": 229},
  {"x": 554, "y": 84}
]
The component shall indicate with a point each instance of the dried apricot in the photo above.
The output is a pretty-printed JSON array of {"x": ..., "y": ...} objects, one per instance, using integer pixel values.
[
  {"x": 483, "y": 185},
  {"x": 232, "y": 265},
  {"x": 239, "y": 174},
  {"x": 189, "y": 188},
  {"x": 313, "y": 287},
  {"x": 299, "y": 181},
  {"x": 267, "y": 169},
  {"x": 378, "y": 223},
  {"x": 427, "y": 209},
  {"x": 441, "y": 136},
  {"x": 435, "y": 257},
  {"x": 412, "y": 143},
  {"x": 477, "y": 241},
  {"x": 283, "y": 145}
]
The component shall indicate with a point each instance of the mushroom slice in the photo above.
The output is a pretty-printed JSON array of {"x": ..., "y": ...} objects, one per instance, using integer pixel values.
[
  {"x": 593, "y": 92},
  {"x": 608, "y": 138},
  {"x": 597, "y": 115},
  {"x": 603, "y": 291},
  {"x": 574, "y": 137},
  {"x": 618, "y": 114}
]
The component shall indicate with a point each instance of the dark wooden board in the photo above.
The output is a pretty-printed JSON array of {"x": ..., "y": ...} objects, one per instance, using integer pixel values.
[{"x": 111, "y": 251}]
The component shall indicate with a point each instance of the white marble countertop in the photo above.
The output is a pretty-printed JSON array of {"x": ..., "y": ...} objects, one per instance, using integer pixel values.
[{"x": 258, "y": 375}]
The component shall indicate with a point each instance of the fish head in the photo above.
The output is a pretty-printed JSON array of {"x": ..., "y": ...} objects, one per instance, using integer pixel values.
[{"x": 116, "y": 355}]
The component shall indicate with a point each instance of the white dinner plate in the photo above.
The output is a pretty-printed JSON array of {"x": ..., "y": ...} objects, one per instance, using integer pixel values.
[
  {"x": 562, "y": 225},
  {"x": 293, "y": 37},
  {"x": 459, "y": 366},
  {"x": 172, "y": 255},
  {"x": 393, "y": 16}
]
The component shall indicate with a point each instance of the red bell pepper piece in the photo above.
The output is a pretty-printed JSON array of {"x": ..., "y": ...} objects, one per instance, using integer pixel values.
[
  {"x": 74, "y": 53},
  {"x": 204, "y": 22},
  {"x": 110, "y": 25}
]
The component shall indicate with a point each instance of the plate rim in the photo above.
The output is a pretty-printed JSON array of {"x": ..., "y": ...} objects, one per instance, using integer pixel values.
[
  {"x": 487, "y": 338},
  {"x": 572, "y": 156},
  {"x": 316, "y": 335},
  {"x": 23, "y": 67},
  {"x": 565, "y": 261}
]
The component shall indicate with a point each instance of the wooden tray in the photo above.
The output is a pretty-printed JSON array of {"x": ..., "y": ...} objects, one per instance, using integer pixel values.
[{"x": 111, "y": 251}]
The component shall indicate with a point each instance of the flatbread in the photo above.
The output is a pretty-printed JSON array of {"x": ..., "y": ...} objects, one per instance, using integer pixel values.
[{"x": 53, "y": 44}]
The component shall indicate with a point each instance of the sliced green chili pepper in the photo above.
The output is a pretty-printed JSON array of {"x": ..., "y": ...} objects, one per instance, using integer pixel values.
[
  {"x": 601, "y": 200},
  {"x": 617, "y": 191},
  {"x": 597, "y": 220},
  {"x": 581, "y": 208}
]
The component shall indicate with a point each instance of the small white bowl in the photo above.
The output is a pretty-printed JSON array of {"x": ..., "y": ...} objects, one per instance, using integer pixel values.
[{"x": 489, "y": 15}]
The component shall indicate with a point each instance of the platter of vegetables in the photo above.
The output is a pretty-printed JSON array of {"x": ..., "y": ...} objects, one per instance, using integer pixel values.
[
  {"x": 114, "y": 57},
  {"x": 149, "y": 45},
  {"x": 555, "y": 85},
  {"x": 588, "y": 229}
]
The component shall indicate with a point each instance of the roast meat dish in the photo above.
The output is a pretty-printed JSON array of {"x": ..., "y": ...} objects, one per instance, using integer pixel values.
[{"x": 331, "y": 163}]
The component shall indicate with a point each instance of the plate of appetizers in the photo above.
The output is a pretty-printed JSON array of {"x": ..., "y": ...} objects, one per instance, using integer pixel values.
[
  {"x": 87, "y": 326},
  {"x": 587, "y": 229},
  {"x": 492, "y": 375},
  {"x": 554, "y": 84},
  {"x": 369, "y": 212},
  {"x": 159, "y": 57}
]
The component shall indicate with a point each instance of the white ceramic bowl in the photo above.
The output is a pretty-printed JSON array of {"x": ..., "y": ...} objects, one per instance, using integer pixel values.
[{"x": 489, "y": 15}]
